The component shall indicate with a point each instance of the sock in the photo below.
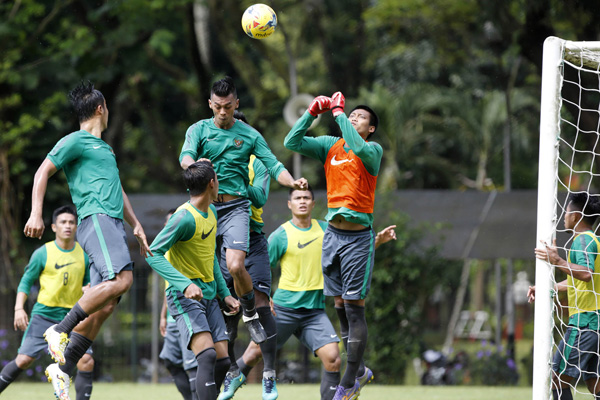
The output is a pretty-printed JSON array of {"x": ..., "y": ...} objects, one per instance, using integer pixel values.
[
  {"x": 597, "y": 396},
  {"x": 247, "y": 302},
  {"x": 231, "y": 322},
  {"x": 8, "y": 374},
  {"x": 221, "y": 368},
  {"x": 191, "y": 373},
  {"x": 269, "y": 347},
  {"x": 245, "y": 369},
  {"x": 341, "y": 313},
  {"x": 75, "y": 350},
  {"x": 329, "y": 382},
  {"x": 562, "y": 394},
  {"x": 180, "y": 377},
  {"x": 70, "y": 321},
  {"x": 205, "y": 375},
  {"x": 357, "y": 341},
  {"x": 83, "y": 384}
]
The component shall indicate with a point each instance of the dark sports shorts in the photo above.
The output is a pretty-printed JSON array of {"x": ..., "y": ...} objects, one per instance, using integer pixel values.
[
  {"x": 104, "y": 240},
  {"x": 347, "y": 260},
  {"x": 577, "y": 354},
  {"x": 175, "y": 351},
  {"x": 233, "y": 224},
  {"x": 33, "y": 342},
  {"x": 194, "y": 317},
  {"x": 311, "y": 326},
  {"x": 257, "y": 264}
]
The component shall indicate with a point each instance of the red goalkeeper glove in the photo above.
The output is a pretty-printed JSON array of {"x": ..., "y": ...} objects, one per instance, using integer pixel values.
[
  {"x": 319, "y": 105},
  {"x": 338, "y": 101}
]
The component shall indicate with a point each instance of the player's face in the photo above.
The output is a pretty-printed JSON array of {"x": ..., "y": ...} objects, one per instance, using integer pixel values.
[
  {"x": 223, "y": 108},
  {"x": 361, "y": 121},
  {"x": 301, "y": 203},
  {"x": 572, "y": 217},
  {"x": 65, "y": 226}
]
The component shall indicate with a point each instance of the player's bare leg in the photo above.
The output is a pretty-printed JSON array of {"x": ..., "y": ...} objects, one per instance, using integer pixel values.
[{"x": 242, "y": 283}]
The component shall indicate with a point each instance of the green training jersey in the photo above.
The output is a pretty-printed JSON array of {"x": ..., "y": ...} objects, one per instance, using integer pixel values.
[
  {"x": 184, "y": 252},
  {"x": 91, "y": 169},
  {"x": 258, "y": 192},
  {"x": 298, "y": 251},
  {"x": 370, "y": 153},
  {"x": 229, "y": 150},
  {"x": 61, "y": 273},
  {"x": 584, "y": 297}
]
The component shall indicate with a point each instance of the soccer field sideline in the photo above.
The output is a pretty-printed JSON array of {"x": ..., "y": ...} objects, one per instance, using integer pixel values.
[{"x": 142, "y": 391}]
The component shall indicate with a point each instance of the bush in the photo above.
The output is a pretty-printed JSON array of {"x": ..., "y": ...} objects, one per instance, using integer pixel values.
[{"x": 493, "y": 367}]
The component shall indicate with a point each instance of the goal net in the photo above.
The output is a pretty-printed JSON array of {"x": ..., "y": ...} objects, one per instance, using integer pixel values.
[{"x": 568, "y": 158}]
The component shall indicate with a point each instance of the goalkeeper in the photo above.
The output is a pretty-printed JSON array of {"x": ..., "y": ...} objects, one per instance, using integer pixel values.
[{"x": 577, "y": 353}]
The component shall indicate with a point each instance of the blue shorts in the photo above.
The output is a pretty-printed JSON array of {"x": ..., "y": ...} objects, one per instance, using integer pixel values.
[
  {"x": 104, "y": 240},
  {"x": 233, "y": 224},
  {"x": 311, "y": 326},
  {"x": 175, "y": 351},
  {"x": 33, "y": 342},
  {"x": 347, "y": 260},
  {"x": 577, "y": 354},
  {"x": 194, "y": 317},
  {"x": 257, "y": 264}
]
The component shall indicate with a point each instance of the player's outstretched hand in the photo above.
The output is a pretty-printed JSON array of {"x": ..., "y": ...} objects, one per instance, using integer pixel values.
[
  {"x": 548, "y": 253},
  {"x": 21, "y": 320},
  {"x": 233, "y": 304},
  {"x": 34, "y": 228},
  {"x": 193, "y": 292},
  {"x": 338, "y": 102},
  {"x": 140, "y": 235},
  {"x": 531, "y": 294},
  {"x": 300, "y": 184},
  {"x": 387, "y": 234},
  {"x": 319, "y": 105}
]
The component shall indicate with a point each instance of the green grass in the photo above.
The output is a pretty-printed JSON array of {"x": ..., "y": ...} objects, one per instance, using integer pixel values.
[{"x": 132, "y": 391}]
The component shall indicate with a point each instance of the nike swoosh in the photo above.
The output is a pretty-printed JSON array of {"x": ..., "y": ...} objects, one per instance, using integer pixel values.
[
  {"x": 301, "y": 245},
  {"x": 262, "y": 286},
  {"x": 236, "y": 242},
  {"x": 63, "y": 265},
  {"x": 88, "y": 395},
  {"x": 338, "y": 162},
  {"x": 209, "y": 383},
  {"x": 97, "y": 147},
  {"x": 190, "y": 361},
  {"x": 205, "y": 235},
  {"x": 350, "y": 293},
  {"x": 333, "y": 336}
]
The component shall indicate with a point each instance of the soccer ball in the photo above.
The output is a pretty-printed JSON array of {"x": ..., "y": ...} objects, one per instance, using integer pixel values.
[{"x": 259, "y": 21}]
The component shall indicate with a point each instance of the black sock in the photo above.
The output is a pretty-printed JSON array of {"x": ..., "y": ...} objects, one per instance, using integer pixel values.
[
  {"x": 562, "y": 394},
  {"x": 231, "y": 322},
  {"x": 357, "y": 341},
  {"x": 244, "y": 368},
  {"x": 341, "y": 313},
  {"x": 268, "y": 347},
  {"x": 75, "y": 350},
  {"x": 191, "y": 373},
  {"x": 8, "y": 374},
  {"x": 597, "y": 396},
  {"x": 221, "y": 368},
  {"x": 180, "y": 377},
  {"x": 205, "y": 375},
  {"x": 70, "y": 321},
  {"x": 248, "y": 305},
  {"x": 329, "y": 382},
  {"x": 83, "y": 384}
]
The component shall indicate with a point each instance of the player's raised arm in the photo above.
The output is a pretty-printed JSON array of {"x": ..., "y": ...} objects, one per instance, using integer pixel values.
[{"x": 35, "y": 225}]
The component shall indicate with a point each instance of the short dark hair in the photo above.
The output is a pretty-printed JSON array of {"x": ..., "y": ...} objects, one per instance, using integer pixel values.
[
  {"x": 197, "y": 176},
  {"x": 308, "y": 188},
  {"x": 224, "y": 88},
  {"x": 237, "y": 114},
  {"x": 587, "y": 204},
  {"x": 171, "y": 211},
  {"x": 85, "y": 99},
  {"x": 373, "y": 120},
  {"x": 63, "y": 210}
]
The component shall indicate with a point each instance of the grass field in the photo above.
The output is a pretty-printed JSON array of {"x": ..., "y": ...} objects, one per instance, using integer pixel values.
[{"x": 132, "y": 391}]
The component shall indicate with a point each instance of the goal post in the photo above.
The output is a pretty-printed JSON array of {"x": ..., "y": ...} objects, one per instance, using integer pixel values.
[{"x": 583, "y": 57}]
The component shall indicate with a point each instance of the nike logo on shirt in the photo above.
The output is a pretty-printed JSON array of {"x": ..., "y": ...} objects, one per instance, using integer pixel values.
[
  {"x": 57, "y": 266},
  {"x": 338, "y": 162},
  {"x": 96, "y": 147},
  {"x": 301, "y": 245},
  {"x": 205, "y": 235}
]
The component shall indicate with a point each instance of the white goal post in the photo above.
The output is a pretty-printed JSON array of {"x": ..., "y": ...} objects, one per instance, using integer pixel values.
[{"x": 582, "y": 58}]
